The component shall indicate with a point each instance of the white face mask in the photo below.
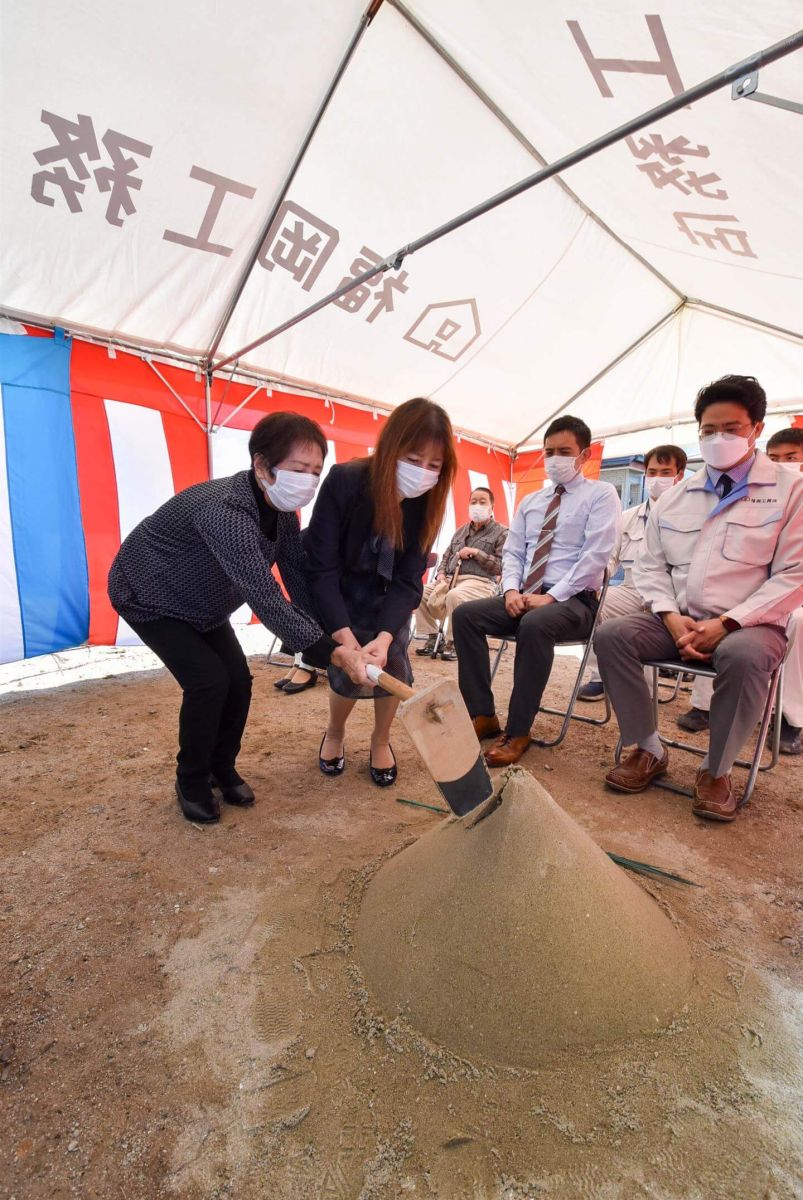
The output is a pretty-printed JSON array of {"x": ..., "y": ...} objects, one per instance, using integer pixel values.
[
  {"x": 291, "y": 489},
  {"x": 561, "y": 469},
  {"x": 480, "y": 514},
  {"x": 797, "y": 467},
  {"x": 723, "y": 450},
  {"x": 658, "y": 484},
  {"x": 413, "y": 481}
]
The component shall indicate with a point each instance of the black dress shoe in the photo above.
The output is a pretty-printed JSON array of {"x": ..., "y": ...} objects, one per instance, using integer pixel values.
[
  {"x": 384, "y": 776},
  {"x": 790, "y": 738},
  {"x": 290, "y": 689},
  {"x": 197, "y": 803},
  {"x": 332, "y": 766},
  {"x": 282, "y": 683},
  {"x": 428, "y": 648},
  {"x": 240, "y": 793},
  {"x": 695, "y": 720}
]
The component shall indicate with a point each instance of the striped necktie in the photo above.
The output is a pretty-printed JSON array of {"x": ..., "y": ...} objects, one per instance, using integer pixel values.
[{"x": 535, "y": 578}]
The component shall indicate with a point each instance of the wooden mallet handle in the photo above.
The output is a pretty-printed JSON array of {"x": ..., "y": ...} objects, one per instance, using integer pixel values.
[{"x": 394, "y": 686}]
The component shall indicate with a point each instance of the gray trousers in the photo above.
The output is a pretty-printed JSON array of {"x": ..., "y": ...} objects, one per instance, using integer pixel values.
[{"x": 743, "y": 661}]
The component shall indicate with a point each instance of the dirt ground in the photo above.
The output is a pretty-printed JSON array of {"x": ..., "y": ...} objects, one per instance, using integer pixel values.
[{"x": 182, "y": 1012}]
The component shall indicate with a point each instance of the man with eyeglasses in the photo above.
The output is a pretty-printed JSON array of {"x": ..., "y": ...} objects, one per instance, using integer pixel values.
[
  {"x": 785, "y": 449},
  {"x": 720, "y": 573}
]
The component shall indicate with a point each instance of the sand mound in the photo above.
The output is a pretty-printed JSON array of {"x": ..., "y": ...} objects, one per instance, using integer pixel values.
[{"x": 519, "y": 937}]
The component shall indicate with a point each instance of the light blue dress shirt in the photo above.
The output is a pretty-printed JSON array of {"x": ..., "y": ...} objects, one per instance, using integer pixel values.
[
  {"x": 738, "y": 476},
  {"x": 737, "y": 473},
  {"x": 589, "y": 519}
]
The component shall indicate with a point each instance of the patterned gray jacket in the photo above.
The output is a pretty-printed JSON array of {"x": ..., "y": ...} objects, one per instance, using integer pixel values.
[{"x": 210, "y": 549}]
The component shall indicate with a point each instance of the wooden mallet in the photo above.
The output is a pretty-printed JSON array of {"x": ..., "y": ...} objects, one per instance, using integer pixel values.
[{"x": 437, "y": 720}]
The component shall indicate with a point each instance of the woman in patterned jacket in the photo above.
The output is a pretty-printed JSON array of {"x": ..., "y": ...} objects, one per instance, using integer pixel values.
[{"x": 182, "y": 572}]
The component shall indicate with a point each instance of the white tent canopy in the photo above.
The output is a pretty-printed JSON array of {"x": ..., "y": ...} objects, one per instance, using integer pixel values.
[{"x": 145, "y": 146}]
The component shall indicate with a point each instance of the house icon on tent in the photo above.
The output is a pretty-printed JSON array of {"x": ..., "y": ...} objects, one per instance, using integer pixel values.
[{"x": 446, "y": 329}]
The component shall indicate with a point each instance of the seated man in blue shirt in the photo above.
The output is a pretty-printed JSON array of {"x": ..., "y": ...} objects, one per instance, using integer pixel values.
[{"x": 552, "y": 569}]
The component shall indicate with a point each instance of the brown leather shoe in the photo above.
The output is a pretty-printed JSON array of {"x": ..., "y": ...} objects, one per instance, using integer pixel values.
[
  {"x": 637, "y": 771},
  {"x": 714, "y": 799},
  {"x": 506, "y": 750},
  {"x": 486, "y": 727}
]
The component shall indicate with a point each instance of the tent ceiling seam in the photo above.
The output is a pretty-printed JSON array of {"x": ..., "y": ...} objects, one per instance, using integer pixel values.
[
  {"x": 522, "y": 138},
  {"x": 512, "y": 315},
  {"x": 239, "y": 287},
  {"x": 605, "y": 370},
  {"x": 682, "y": 99},
  {"x": 704, "y": 305}
]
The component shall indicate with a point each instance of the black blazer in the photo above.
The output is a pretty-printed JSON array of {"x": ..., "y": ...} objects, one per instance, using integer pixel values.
[{"x": 342, "y": 522}]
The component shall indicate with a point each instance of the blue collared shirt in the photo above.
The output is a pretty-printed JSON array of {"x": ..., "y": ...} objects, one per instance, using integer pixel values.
[
  {"x": 737, "y": 473},
  {"x": 589, "y": 519}
]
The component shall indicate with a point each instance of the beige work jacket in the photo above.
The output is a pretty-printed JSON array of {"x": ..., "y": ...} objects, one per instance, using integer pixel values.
[
  {"x": 630, "y": 541},
  {"x": 741, "y": 557}
]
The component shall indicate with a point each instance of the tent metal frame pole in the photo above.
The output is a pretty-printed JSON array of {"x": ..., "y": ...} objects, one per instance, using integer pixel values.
[
  {"x": 239, "y": 288},
  {"x": 713, "y": 84},
  {"x": 776, "y": 102},
  {"x": 259, "y": 387},
  {"x": 208, "y": 410},
  {"x": 730, "y": 312},
  {"x": 605, "y": 371},
  {"x": 147, "y": 359},
  {"x": 264, "y": 378},
  {"x": 747, "y": 89},
  {"x": 522, "y": 138}
]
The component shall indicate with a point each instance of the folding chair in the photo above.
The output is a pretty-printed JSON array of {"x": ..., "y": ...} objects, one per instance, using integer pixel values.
[
  {"x": 567, "y": 713},
  {"x": 281, "y": 660},
  {"x": 432, "y": 562},
  {"x": 440, "y": 636},
  {"x": 752, "y": 765}
]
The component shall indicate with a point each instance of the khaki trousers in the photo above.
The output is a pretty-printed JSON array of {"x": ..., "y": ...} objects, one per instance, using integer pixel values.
[
  {"x": 621, "y": 601},
  {"x": 439, "y": 602},
  {"x": 792, "y": 701}
]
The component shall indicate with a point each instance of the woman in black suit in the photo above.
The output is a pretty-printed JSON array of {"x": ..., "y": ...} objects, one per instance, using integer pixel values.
[
  {"x": 182, "y": 572},
  {"x": 367, "y": 544}
]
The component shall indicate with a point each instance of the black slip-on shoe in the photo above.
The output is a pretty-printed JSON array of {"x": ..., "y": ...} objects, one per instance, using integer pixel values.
[
  {"x": 291, "y": 689},
  {"x": 331, "y": 766},
  {"x": 198, "y": 807},
  {"x": 384, "y": 776},
  {"x": 240, "y": 794}
]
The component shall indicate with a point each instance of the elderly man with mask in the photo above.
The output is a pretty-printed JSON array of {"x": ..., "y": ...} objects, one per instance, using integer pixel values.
[
  {"x": 785, "y": 449},
  {"x": 467, "y": 571},
  {"x": 721, "y": 570},
  {"x": 663, "y": 468}
]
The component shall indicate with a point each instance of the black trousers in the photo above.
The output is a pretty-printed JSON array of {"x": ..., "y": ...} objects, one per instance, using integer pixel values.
[
  {"x": 536, "y": 634},
  {"x": 213, "y": 673}
]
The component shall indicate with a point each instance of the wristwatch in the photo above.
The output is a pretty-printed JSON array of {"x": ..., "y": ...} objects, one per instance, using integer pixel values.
[{"x": 730, "y": 624}]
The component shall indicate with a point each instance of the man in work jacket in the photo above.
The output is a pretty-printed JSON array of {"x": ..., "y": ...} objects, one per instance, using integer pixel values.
[
  {"x": 720, "y": 572},
  {"x": 663, "y": 468},
  {"x": 785, "y": 449}
]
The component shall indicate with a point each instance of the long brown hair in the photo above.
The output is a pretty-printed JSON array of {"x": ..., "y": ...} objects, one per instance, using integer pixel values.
[{"x": 408, "y": 427}]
